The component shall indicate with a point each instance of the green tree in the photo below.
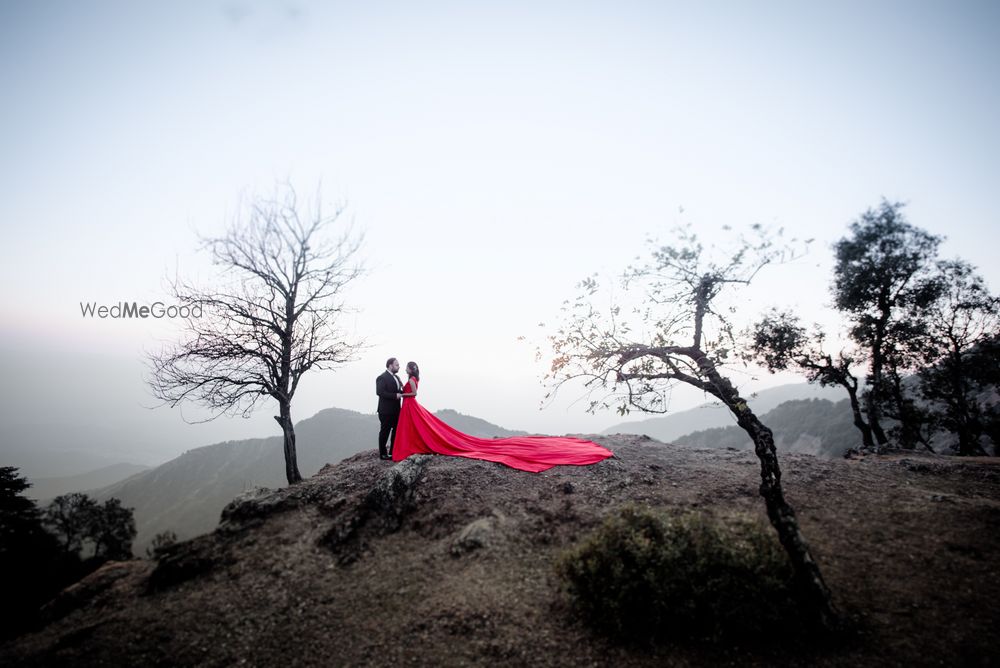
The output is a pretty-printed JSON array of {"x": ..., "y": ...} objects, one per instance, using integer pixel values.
[
  {"x": 882, "y": 282},
  {"x": 71, "y": 517},
  {"x": 958, "y": 348},
  {"x": 778, "y": 341},
  {"x": 112, "y": 531},
  {"x": 15, "y": 508},
  {"x": 32, "y": 564},
  {"x": 682, "y": 335},
  {"x": 80, "y": 522}
]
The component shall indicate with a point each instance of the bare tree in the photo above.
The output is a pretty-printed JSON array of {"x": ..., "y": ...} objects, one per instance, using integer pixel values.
[
  {"x": 277, "y": 319},
  {"x": 683, "y": 335}
]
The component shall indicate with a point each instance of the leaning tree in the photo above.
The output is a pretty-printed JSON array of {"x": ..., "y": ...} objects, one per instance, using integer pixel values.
[
  {"x": 778, "y": 341},
  {"x": 680, "y": 331},
  {"x": 279, "y": 317}
]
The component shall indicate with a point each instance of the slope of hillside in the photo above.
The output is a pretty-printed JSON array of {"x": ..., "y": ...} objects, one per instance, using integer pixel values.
[
  {"x": 672, "y": 426},
  {"x": 186, "y": 494},
  {"x": 813, "y": 426},
  {"x": 44, "y": 490},
  {"x": 445, "y": 561},
  {"x": 475, "y": 426}
]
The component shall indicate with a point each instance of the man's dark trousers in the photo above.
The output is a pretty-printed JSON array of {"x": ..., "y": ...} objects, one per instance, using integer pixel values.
[
  {"x": 387, "y": 387},
  {"x": 388, "y": 431}
]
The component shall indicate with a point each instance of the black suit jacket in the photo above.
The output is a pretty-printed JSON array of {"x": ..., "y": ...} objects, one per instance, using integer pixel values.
[{"x": 386, "y": 389}]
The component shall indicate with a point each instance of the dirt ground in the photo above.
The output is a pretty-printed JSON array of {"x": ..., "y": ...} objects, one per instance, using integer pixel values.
[{"x": 453, "y": 566}]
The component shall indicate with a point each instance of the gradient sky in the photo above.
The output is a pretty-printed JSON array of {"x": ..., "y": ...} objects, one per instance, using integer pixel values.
[{"x": 493, "y": 153}]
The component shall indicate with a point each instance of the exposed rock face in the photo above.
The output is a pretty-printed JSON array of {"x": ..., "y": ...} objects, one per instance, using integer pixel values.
[
  {"x": 448, "y": 561},
  {"x": 256, "y": 502},
  {"x": 382, "y": 510},
  {"x": 392, "y": 495},
  {"x": 479, "y": 533}
]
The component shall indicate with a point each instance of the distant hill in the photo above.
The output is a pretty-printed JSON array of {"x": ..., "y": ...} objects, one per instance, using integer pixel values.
[
  {"x": 812, "y": 426},
  {"x": 41, "y": 462},
  {"x": 46, "y": 489},
  {"x": 474, "y": 426},
  {"x": 671, "y": 427},
  {"x": 187, "y": 493}
]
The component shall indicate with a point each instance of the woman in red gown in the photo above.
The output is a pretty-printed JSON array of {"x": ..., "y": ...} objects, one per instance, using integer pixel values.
[{"x": 420, "y": 432}]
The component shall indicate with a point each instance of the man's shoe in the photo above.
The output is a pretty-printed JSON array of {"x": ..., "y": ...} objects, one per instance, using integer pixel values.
[{"x": 384, "y": 457}]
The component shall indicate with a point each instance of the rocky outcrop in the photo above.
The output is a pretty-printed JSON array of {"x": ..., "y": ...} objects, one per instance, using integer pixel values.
[{"x": 381, "y": 511}]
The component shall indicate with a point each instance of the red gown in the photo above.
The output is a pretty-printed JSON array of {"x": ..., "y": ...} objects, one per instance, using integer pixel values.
[{"x": 421, "y": 432}]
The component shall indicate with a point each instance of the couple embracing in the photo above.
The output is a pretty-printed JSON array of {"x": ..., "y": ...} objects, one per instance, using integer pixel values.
[
  {"x": 412, "y": 429},
  {"x": 390, "y": 390}
]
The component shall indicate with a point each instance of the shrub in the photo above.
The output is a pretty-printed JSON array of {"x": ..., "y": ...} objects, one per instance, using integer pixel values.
[
  {"x": 644, "y": 576},
  {"x": 160, "y": 541}
]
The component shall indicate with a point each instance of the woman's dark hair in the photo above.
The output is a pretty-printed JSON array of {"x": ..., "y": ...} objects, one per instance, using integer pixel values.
[{"x": 413, "y": 370}]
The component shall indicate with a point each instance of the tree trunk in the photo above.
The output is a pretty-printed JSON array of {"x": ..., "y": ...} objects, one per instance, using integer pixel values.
[
  {"x": 291, "y": 461},
  {"x": 906, "y": 439},
  {"x": 872, "y": 411},
  {"x": 780, "y": 513},
  {"x": 968, "y": 443},
  {"x": 859, "y": 421},
  {"x": 875, "y": 386},
  {"x": 782, "y": 517},
  {"x": 910, "y": 419}
]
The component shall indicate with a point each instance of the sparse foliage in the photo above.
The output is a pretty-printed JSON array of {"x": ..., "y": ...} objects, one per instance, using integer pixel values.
[
  {"x": 778, "y": 342},
  {"x": 684, "y": 335},
  {"x": 160, "y": 541}
]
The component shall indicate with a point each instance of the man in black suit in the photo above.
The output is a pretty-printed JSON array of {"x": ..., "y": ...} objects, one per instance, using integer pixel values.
[{"x": 389, "y": 390}]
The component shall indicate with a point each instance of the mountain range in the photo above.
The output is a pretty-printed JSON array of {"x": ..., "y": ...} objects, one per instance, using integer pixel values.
[
  {"x": 46, "y": 489},
  {"x": 673, "y": 426},
  {"x": 810, "y": 426}
]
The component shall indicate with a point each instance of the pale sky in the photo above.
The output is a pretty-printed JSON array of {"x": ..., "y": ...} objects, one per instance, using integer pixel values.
[{"x": 493, "y": 153}]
